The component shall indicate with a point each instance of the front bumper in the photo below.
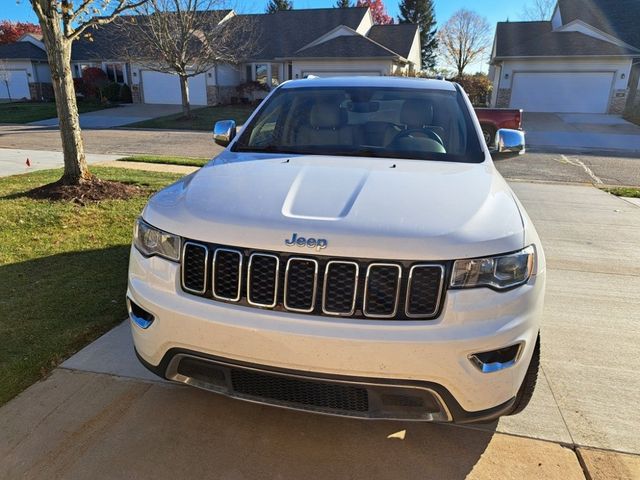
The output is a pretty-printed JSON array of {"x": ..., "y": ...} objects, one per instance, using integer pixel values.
[{"x": 431, "y": 355}]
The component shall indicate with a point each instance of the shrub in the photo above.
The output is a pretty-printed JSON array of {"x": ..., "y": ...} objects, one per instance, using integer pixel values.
[
  {"x": 477, "y": 86},
  {"x": 111, "y": 92},
  {"x": 125, "y": 94},
  {"x": 78, "y": 85},
  {"x": 250, "y": 89},
  {"x": 94, "y": 80}
]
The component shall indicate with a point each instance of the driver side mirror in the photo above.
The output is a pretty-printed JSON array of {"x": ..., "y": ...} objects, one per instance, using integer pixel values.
[
  {"x": 509, "y": 143},
  {"x": 224, "y": 131}
]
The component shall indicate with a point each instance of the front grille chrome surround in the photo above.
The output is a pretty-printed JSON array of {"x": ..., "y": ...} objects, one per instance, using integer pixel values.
[
  {"x": 315, "y": 284},
  {"x": 185, "y": 246},
  {"x": 327, "y": 269},
  {"x": 367, "y": 287},
  {"x": 424, "y": 315},
  {"x": 275, "y": 283},
  {"x": 214, "y": 272},
  {"x": 286, "y": 285}
]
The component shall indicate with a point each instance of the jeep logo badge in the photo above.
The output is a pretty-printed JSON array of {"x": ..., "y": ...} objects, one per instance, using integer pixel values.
[{"x": 317, "y": 243}]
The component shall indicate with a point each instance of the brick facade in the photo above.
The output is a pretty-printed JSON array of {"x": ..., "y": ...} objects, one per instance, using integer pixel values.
[
  {"x": 504, "y": 98},
  {"x": 220, "y": 95},
  {"x": 41, "y": 91},
  {"x": 618, "y": 102},
  {"x": 136, "y": 97}
]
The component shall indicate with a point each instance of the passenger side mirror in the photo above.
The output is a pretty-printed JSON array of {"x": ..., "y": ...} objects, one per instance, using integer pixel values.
[
  {"x": 509, "y": 143},
  {"x": 224, "y": 131}
]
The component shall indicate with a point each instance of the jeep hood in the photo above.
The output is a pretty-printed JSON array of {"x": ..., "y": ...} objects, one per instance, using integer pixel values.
[{"x": 363, "y": 207}]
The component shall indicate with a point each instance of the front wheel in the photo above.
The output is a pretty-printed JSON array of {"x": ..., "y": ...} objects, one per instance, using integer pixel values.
[
  {"x": 528, "y": 386},
  {"x": 489, "y": 134}
]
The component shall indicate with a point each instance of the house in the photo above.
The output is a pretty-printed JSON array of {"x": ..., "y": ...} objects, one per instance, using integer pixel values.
[
  {"x": 291, "y": 44},
  {"x": 586, "y": 59}
]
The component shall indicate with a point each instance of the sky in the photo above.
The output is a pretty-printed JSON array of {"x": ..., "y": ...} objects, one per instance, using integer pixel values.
[{"x": 493, "y": 10}]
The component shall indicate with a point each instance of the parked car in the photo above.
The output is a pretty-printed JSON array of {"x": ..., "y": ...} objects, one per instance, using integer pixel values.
[
  {"x": 353, "y": 251},
  {"x": 493, "y": 119}
]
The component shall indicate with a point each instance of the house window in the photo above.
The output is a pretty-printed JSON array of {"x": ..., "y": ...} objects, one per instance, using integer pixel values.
[
  {"x": 275, "y": 75},
  {"x": 262, "y": 73},
  {"x": 247, "y": 73},
  {"x": 115, "y": 72}
]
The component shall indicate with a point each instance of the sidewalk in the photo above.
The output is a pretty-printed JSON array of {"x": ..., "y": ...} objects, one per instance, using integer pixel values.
[{"x": 14, "y": 161}]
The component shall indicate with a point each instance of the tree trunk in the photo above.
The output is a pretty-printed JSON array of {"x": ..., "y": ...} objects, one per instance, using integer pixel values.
[
  {"x": 59, "y": 55},
  {"x": 184, "y": 89}
]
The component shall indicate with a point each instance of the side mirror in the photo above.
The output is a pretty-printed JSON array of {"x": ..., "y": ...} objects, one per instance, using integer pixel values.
[
  {"x": 224, "y": 131},
  {"x": 509, "y": 143}
]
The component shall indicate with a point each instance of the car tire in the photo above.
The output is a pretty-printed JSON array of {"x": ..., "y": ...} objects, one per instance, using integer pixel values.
[
  {"x": 528, "y": 386},
  {"x": 489, "y": 134}
]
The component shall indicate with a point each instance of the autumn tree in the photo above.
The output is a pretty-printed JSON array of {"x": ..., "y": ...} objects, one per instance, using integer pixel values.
[
  {"x": 342, "y": 4},
  {"x": 276, "y": 5},
  {"x": 184, "y": 38},
  {"x": 537, "y": 10},
  {"x": 464, "y": 39},
  {"x": 378, "y": 11},
  {"x": 421, "y": 13},
  {"x": 11, "y": 31},
  {"x": 63, "y": 22}
]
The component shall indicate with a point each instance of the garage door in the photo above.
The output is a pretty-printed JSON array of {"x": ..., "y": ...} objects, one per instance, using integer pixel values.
[
  {"x": 568, "y": 92},
  {"x": 18, "y": 85},
  {"x": 164, "y": 88},
  {"x": 341, "y": 73}
]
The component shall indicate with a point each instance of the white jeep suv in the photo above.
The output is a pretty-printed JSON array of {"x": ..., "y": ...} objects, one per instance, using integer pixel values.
[{"x": 353, "y": 251}]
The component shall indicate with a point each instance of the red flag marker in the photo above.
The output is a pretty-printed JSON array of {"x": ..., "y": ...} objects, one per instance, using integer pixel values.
[{"x": 28, "y": 162}]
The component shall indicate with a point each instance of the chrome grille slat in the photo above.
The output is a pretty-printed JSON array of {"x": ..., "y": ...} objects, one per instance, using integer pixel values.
[
  {"x": 314, "y": 284},
  {"x": 378, "y": 293},
  {"x": 258, "y": 282},
  {"x": 333, "y": 294},
  {"x": 297, "y": 287},
  {"x": 227, "y": 274}
]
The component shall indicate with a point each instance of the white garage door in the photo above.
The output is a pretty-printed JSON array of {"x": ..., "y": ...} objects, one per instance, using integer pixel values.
[
  {"x": 568, "y": 92},
  {"x": 342, "y": 73},
  {"x": 18, "y": 85},
  {"x": 164, "y": 88}
]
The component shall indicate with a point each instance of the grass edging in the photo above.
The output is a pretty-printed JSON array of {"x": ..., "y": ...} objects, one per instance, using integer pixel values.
[
  {"x": 168, "y": 160},
  {"x": 629, "y": 192}
]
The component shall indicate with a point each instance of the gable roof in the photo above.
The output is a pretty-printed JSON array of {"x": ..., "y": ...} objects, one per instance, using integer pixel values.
[
  {"x": 397, "y": 37},
  {"x": 22, "y": 50},
  {"x": 537, "y": 39},
  {"x": 347, "y": 46},
  {"x": 619, "y": 18}
]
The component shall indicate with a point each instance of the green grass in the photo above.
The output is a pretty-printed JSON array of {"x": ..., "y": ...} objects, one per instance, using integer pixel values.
[
  {"x": 632, "y": 192},
  {"x": 25, "y": 112},
  {"x": 202, "y": 118},
  {"x": 63, "y": 272},
  {"x": 186, "y": 161}
]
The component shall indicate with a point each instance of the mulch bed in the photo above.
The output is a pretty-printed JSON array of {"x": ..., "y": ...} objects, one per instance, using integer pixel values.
[{"x": 93, "y": 190}]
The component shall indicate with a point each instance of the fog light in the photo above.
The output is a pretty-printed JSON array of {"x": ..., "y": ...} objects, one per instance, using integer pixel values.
[
  {"x": 497, "y": 360},
  {"x": 139, "y": 315}
]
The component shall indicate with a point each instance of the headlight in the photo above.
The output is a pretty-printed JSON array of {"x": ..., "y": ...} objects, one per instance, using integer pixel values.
[
  {"x": 151, "y": 241},
  {"x": 500, "y": 272}
]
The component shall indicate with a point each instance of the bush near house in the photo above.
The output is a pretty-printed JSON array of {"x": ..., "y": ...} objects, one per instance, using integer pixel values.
[
  {"x": 247, "y": 91},
  {"x": 111, "y": 92},
  {"x": 94, "y": 80},
  {"x": 125, "y": 94},
  {"x": 477, "y": 86}
]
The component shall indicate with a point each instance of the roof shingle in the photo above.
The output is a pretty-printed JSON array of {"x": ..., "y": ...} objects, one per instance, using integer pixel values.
[
  {"x": 346, "y": 46},
  {"x": 22, "y": 50},
  {"x": 397, "y": 37}
]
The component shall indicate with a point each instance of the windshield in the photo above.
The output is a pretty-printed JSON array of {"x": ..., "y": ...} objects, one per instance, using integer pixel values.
[{"x": 364, "y": 121}]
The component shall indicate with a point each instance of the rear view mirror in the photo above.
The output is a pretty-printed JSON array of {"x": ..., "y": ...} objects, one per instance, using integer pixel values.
[
  {"x": 509, "y": 143},
  {"x": 224, "y": 131}
]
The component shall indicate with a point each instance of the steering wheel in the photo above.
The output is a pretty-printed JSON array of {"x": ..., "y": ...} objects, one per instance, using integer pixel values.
[{"x": 420, "y": 131}]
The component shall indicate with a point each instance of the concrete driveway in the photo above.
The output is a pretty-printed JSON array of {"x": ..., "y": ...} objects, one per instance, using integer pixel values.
[
  {"x": 102, "y": 415},
  {"x": 576, "y": 131},
  {"x": 118, "y": 116}
]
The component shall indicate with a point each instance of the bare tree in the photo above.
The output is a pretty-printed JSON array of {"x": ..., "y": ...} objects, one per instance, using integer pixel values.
[
  {"x": 464, "y": 39},
  {"x": 186, "y": 38},
  {"x": 5, "y": 76},
  {"x": 63, "y": 22},
  {"x": 539, "y": 10}
]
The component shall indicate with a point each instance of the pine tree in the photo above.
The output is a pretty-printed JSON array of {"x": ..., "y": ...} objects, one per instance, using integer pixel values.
[
  {"x": 342, "y": 4},
  {"x": 421, "y": 12},
  {"x": 275, "y": 5}
]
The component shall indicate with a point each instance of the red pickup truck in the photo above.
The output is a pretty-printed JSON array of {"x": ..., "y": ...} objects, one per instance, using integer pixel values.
[{"x": 493, "y": 119}]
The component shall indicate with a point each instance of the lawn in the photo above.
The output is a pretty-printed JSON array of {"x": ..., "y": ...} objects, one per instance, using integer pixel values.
[
  {"x": 186, "y": 161},
  {"x": 631, "y": 192},
  {"x": 25, "y": 112},
  {"x": 202, "y": 118},
  {"x": 63, "y": 272}
]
